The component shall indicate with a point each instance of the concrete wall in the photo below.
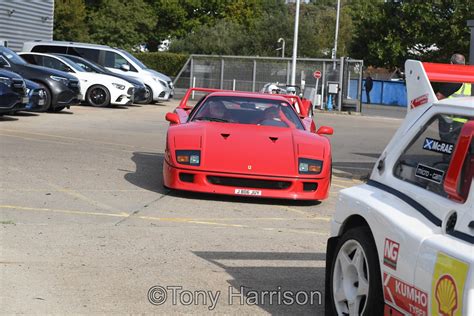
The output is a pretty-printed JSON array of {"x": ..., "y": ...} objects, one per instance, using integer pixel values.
[{"x": 22, "y": 20}]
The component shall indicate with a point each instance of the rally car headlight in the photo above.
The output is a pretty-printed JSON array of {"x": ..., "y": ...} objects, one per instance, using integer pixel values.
[
  {"x": 188, "y": 157},
  {"x": 309, "y": 166},
  {"x": 118, "y": 86}
]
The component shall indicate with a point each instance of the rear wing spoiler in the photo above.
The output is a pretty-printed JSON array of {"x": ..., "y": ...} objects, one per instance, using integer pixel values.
[{"x": 418, "y": 77}]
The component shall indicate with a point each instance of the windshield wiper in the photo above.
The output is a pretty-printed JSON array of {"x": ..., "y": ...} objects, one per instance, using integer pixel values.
[{"x": 212, "y": 119}]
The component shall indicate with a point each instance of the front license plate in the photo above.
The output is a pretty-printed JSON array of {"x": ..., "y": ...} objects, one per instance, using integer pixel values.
[
  {"x": 41, "y": 102},
  {"x": 248, "y": 192},
  {"x": 25, "y": 100}
]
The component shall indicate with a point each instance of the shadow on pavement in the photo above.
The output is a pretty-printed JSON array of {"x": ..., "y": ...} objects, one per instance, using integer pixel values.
[
  {"x": 302, "y": 280},
  {"x": 149, "y": 176},
  {"x": 7, "y": 118},
  {"x": 26, "y": 114}
]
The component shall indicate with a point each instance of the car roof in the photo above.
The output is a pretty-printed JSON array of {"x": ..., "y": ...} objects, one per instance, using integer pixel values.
[
  {"x": 463, "y": 102},
  {"x": 65, "y": 43}
]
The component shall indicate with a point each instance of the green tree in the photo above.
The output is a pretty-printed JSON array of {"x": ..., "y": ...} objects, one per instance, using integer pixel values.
[
  {"x": 69, "y": 21},
  {"x": 119, "y": 23}
]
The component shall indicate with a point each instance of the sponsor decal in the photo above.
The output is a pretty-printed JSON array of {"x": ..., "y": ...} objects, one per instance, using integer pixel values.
[
  {"x": 447, "y": 287},
  {"x": 390, "y": 253},
  {"x": 419, "y": 101},
  {"x": 429, "y": 173},
  {"x": 438, "y": 146},
  {"x": 404, "y": 296}
]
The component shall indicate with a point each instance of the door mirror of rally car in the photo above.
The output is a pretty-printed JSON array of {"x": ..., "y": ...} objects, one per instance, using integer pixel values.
[
  {"x": 125, "y": 67},
  {"x": 325, "y": 130},
  {"x": 173, "y": 118},
  {"x": 462, "y": 159}
]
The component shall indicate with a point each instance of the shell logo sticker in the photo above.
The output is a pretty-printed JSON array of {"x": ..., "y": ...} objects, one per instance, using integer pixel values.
[
  {"x": 449, "y": 277},
  {"x": 446, "y": 295}
]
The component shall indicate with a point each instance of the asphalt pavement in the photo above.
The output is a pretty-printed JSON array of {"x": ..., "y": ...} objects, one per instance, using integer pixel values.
[{"x": 87, "y": 227}]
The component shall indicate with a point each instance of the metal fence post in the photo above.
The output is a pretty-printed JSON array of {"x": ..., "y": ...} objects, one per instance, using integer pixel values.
[
  {"x": 341, "y": 75},
  {"x": 288, "y": 72},
  {"x": 359, "y": 86},
  {"x": 323, "y": 85},
  {"x": 191, "y": 75},
  {"x": 222, "y": 74},
  {"x": 254, "y": 74}
]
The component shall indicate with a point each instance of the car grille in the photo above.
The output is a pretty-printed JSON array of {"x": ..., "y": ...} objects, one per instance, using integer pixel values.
[{"x": 249, "y": 183}]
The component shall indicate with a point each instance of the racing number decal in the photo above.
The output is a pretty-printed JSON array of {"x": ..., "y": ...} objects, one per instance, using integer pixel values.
[{"x": 448, "y": 286}]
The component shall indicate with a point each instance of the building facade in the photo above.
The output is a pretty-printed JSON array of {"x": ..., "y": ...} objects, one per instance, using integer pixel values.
[{"x": 23, "y": 20}]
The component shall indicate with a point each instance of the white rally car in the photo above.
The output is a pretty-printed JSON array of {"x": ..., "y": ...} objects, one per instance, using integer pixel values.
[
  {"x": 96, "y": 89},
  {"x": 403, "y": 243}
]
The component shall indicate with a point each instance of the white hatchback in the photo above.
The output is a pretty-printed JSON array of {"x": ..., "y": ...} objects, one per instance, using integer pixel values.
[{"x": 97, "y": 89}]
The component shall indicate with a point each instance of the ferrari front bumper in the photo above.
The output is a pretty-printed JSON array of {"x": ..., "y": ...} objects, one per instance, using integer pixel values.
[{"x": 295, "y": 188}]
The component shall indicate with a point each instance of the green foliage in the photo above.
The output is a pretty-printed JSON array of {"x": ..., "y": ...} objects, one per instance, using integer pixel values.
[
  {"x": 387, "y": 33},
  {"x": 167, "y": 63},
  {"x": 69, "y": 21},
  {"x": 120, "y": 23}
]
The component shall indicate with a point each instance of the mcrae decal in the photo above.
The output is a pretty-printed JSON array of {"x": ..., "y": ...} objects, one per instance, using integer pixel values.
[
  {"x": 438, "y": 146},
  {"x": 429, "y": 173},
  {"x": 404, "y": 296}
]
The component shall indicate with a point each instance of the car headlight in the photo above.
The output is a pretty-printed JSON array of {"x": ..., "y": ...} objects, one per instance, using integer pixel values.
[
  {"x": 188, "y": 157},
  {"x": 63, "y": 80},
  {"x": 118, "y": 86},
  {"x": 6, "y": 81},
  {"x": 163, "y": 83},
  {"x": 309, "y": 166}
]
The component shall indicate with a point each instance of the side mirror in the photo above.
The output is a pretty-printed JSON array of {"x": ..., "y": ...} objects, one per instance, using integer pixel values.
[
  {"x": 325, "y": 130},
  {"x": 125, "y": 67},
  {"x": 173, "y": 118}
]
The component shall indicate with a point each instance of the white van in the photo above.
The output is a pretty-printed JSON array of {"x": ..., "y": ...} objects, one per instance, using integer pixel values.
[{"x": 159, "y": 86}]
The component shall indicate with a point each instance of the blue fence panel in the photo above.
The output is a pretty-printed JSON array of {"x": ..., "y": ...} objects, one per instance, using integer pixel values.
[{"x": 383, "y": 92}]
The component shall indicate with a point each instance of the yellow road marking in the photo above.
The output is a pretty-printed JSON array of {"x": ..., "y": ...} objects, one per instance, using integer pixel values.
[{"x": 162, "y": 219}]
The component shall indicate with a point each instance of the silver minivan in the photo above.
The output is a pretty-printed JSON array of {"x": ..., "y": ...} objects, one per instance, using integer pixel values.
[{"x": 159, "y": 86}]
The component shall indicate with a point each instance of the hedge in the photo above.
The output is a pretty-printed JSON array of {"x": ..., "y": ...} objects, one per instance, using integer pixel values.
[{"x": 167, "y": 63}]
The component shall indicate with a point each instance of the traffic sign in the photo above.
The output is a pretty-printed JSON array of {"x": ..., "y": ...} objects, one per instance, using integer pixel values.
[{"x": 317, "y": 74}]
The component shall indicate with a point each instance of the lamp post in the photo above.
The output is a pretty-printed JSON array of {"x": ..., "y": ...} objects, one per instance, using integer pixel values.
[
  {"x": 295, "y": 44},
  {"x": 334, "y": 52},
  {"x": 282, "y": 40}
]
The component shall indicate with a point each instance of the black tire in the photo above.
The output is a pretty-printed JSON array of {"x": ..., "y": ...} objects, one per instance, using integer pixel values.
[
  {"x": 98, "y": 96},
  {"x": 149, "y": 99},
  {"x": 373, "y": 303},
  {"x": 48, "y": 98}
]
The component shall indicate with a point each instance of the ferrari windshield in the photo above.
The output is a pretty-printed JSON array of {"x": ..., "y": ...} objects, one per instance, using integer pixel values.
[{"x": 245, "y": 110}]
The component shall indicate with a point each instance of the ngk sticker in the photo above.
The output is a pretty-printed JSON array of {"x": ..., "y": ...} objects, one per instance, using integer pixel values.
[
  {"x": 404, "y": 296},
  {"x": 390, "y": 253}
]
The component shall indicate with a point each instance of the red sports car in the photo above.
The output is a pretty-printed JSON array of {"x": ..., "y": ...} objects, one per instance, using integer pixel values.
[{"x": 240, "y": 143}]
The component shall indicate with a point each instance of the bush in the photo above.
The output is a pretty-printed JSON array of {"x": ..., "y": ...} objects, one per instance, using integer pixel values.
[{"x": 167, "y": 63}]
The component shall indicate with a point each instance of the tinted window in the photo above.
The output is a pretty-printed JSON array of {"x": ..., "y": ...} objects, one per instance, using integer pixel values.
[
  {"x": 87, "y": 53},
  {"x": 54, "y": 63},
  {"x": 32, "y": 59},
  {"x": 243, "y": 110},
  {"x": 49, "y": 49},
  {"x": 114, "y": 60},
  {"x": 426, "y": 160}
]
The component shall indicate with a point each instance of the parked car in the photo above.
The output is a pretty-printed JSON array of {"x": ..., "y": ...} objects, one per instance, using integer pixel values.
[
  {"x": 159, "y": 86},
  {"x": 12, "y": 91},
  {"x": 96, "y": 89},
  {"x": 140, "y": 91},
  {"x": 250, "y": 144},
  {"x": 403, "y": 243},
  {"x": 37, "y": 98},
  {"x": 62, "y": 89}
]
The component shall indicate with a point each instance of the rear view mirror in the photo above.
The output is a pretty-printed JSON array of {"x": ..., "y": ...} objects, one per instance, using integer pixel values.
[
  {"x": 125, "y": 67},
  {"x": 173, "y": 118},
  {"x": 325, "y": 130}
]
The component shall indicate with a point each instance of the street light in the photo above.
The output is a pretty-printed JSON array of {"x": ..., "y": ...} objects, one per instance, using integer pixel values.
[
  {"x": 334, "y": 51},
  {"x": 282, "y": 40},
  {"x": 295, "y": 44}
]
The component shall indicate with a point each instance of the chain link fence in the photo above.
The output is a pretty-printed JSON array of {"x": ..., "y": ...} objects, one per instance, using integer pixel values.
[{"x": 338, "y": 88}]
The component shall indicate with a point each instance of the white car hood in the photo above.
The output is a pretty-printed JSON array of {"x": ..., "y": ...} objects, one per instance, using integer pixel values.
[{"x": 155, "y": 73}]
